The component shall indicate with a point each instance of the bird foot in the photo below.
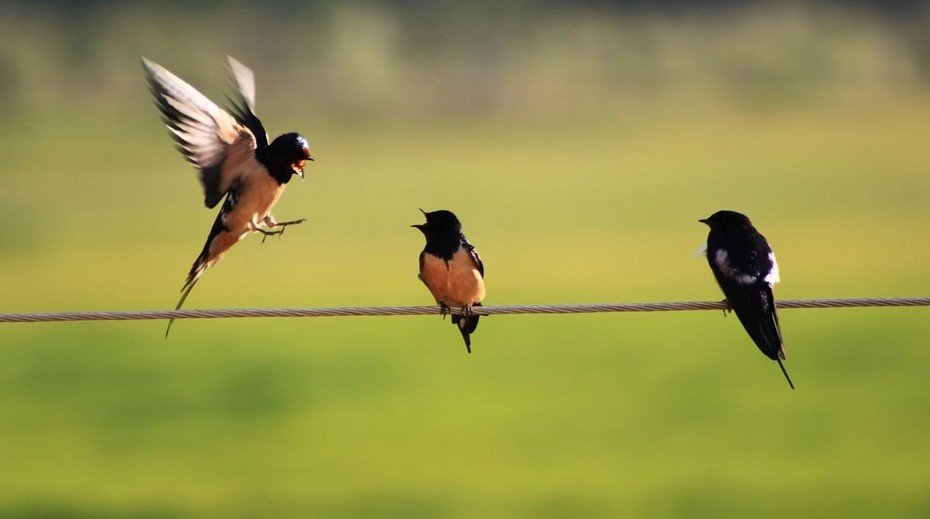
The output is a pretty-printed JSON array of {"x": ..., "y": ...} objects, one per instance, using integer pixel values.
[
  {"x": 727, "y": 308},
  {"x": 467, "y": 311},
  {"x": 266, "y": 234},
  {"x": 444, "y": 310},
  {"x": 282, "y": 225}
]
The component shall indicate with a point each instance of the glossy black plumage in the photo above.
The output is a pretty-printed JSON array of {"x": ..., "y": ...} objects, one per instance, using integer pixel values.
[
  {"x": 451, "y": 269},
  {"x": 744, "y": 266}
]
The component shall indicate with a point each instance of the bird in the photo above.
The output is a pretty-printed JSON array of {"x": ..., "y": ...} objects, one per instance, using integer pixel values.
[
  {"x": 452, "y": 270},
  {"x": 746, "y": 270},
  {"x": 230, "y": 149}
]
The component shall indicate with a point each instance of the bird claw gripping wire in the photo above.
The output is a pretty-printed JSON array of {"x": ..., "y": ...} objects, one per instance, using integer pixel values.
[
  {"x": 444, "y": 310},
  {"x": 727, "y": 308}
]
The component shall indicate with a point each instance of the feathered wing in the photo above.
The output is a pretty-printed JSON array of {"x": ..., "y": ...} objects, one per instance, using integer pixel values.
[
  {"x": 239, "y": 164},
  {"x": 243, "y": 105},
  {"x": 473, "y": 254},
  {"x": 203, "y": 131},
  {"x": 215, "y": 142},
  {"x": 467, "y": 324},
  {"x": 754, "y": 305}
]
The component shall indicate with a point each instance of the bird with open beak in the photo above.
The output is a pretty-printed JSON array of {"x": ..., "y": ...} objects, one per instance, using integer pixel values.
[
  {"x": 452, "y": 270},
  {"x": 230, "y": 149}
]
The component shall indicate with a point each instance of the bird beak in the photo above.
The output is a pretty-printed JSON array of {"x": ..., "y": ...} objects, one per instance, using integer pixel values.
[
  {"x": 298, "y": 168},
  {"x": 419, "y": 226},
  {"x": 704, "y": 221}
]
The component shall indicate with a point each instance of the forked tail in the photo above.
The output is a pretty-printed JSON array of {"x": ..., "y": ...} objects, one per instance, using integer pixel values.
[
  {"x": 196, "y": 270},
  {"x": 466, "y": 325}
]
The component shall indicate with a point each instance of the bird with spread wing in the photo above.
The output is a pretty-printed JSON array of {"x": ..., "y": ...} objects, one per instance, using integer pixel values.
[{"x": 230, "y": 149}]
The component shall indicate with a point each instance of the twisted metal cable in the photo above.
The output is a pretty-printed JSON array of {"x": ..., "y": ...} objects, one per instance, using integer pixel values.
[{"x": 141, "y": 315}]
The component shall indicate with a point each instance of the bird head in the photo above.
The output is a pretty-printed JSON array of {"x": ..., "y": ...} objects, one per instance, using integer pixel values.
[
  {"x": 292, "y": 149},
  {"x": 724, "y": 220},
  {"x": 439, "y": 223}
]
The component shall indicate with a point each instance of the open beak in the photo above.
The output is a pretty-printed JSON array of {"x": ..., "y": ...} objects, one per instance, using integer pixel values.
[{"x": 298, "y": 168}]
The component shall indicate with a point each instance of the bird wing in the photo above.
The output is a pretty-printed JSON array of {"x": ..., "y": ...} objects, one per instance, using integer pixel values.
[
  {"x": 745, "y": 281},
  {"x": 243, "y": 106},
  {"x": 473, "y": 254},
  {"x": 754, "y": 305},
  {"x": 205, "y": 134}
]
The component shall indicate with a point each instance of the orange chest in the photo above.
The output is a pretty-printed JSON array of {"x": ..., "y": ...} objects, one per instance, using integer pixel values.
[
  {"x": 454, "y": 283},
  {"x": 255, "y": 201}
]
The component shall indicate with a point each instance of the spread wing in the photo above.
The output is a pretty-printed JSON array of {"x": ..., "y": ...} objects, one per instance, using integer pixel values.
[
  {"x": 205, "y": 134},
  {"x": 243, "y": 105},
  {"x": 473, "y": 253}
]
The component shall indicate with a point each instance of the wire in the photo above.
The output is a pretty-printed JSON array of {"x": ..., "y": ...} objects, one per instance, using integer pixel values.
[{"x": 141, "y": 315}]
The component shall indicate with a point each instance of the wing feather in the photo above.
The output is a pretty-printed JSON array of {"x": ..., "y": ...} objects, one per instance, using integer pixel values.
[
  {"x": 204, "y": 133},
  {"x": 473, "y": 253},
  {"x": 243, "y": 105}
]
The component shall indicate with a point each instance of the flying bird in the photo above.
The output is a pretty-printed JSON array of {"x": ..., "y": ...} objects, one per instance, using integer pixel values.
[
  {"x": 745, "y": 268},
  {"x": 452, "y": 270},
  {"x": 230, "y": 149}
]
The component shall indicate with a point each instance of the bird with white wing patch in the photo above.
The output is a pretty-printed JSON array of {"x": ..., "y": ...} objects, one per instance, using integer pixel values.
[{"x": 745, "y": 268}]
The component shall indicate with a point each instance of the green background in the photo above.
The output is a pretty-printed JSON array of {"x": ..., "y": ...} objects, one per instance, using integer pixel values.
[{"x": 579, "y": 146}]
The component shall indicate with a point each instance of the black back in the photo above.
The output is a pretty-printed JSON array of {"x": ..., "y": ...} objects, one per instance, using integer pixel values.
[{"x": 744, "y": 284}]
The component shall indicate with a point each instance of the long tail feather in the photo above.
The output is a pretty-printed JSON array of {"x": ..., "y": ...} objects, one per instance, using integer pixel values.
[
  {"x": 199, "y": 266},
  {"x": 782, "y": 366},
  {"x": 466, "y": 325}
]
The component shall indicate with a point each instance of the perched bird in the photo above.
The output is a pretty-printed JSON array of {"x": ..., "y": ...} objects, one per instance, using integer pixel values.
[
  {"x": 231, "y": 151},
  {"x": 451, "y": 269},
  {"x": 746, "y": 271}
]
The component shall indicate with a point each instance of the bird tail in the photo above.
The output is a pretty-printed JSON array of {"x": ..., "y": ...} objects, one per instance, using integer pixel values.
[
  {"x": 196, "y": 271},
  {"x": 203, "y": 260},
  {"x": 466, "y": 325},
  {"x": 782, "y": 366}
]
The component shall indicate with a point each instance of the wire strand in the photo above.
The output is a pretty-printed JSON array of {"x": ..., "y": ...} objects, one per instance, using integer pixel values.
[{"x": 142, "y": 315}]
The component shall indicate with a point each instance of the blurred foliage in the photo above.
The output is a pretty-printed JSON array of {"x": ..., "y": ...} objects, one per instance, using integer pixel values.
[{"x": 364, "y": 59}]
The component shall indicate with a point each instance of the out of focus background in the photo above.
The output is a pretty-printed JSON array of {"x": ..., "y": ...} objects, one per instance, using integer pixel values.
[{"x": 579, "y": 143}]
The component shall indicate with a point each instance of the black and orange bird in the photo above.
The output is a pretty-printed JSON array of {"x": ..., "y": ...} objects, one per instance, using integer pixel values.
[
  {"x": 452, "y": 270},
  {"x": 234, "y": 158},
  {"x": 745, "y": 268}
]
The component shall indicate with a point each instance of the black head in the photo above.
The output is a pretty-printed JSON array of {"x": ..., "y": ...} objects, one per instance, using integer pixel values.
[
  {"x": 289, "y": 152},
  {"x": 725, "y": 220},
  {"x": 439, "y": 223}
]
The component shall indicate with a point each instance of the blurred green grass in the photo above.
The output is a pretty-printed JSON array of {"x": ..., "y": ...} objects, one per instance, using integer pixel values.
[
  {"x": 671, "y": 414},
  {"x": 579, "y": 146}
]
